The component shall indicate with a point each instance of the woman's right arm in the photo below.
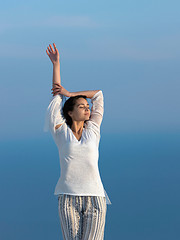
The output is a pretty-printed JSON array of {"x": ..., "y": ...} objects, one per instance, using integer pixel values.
[
  {"x": 54, "y": 111},
  {"x": 56, "y": 75},
  {"x": 54, "y": 57},
  {"x": 56, "y": 83}
]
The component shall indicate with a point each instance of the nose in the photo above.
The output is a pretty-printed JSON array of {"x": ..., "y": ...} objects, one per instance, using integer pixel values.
[{"x": 86, "y": 108}]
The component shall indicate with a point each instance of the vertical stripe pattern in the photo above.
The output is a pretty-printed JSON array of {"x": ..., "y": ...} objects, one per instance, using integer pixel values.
[{"x": 82, "y": 217}]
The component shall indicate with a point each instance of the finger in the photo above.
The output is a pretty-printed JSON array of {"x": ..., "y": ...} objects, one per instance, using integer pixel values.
[
  {"x": 51, "y": 48},
  {"x": 56, "y": 88},
  {"x": 55, "y": 46},
  {"x": 56, "y": 92},
  {"x": 47, "y": 52},
  {"x": 57, "y": 84}
]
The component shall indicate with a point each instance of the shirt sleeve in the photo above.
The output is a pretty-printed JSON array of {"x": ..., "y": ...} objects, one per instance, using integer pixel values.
[
  {"x": 97, "y": 110},
  {"x": 54, "y": 114}
]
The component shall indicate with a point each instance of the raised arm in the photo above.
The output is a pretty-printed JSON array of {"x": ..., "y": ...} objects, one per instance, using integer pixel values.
[
  {"x": 54, "y": 57},
  {"x": 54, "y": 115},
  {"x": 57, "y": 88}
]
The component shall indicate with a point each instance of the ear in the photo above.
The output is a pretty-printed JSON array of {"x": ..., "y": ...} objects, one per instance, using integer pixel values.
[{"x": 70, "y": 113}]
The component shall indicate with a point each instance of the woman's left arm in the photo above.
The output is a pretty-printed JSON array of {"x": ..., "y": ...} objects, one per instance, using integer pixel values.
[
  {"x": 97, "y": 108},
  {"x": 88, "y": 93}
]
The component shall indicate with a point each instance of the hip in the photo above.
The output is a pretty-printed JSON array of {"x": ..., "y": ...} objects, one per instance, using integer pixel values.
[{"x": 83, "y": 204}]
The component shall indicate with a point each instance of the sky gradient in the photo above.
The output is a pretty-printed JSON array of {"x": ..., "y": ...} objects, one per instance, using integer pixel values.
[{"x": 128, "y": 49}]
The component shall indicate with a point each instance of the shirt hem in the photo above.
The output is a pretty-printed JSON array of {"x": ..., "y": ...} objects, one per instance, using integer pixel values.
[{"x": 79, "y": 194}]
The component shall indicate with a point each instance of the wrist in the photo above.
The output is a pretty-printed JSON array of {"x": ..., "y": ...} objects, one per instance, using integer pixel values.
[
  {"x": 57, "y": 64},
  {"x": 70, "y": 94}
]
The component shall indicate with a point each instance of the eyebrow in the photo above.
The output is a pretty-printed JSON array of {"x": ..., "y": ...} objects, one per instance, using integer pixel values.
[{"x": 82, "y": 104}]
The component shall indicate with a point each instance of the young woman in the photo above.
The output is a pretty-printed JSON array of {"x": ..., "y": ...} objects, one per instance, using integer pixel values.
[{"x": 75, "y": 129}]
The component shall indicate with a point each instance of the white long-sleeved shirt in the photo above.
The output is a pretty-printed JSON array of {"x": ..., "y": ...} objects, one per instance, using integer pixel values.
[{"x": 78, "y": 158}]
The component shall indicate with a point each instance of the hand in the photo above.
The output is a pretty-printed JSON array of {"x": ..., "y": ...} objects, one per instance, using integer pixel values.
[
  {"x": 59, "y": 89},
  {"x": 53, "y": 54}
]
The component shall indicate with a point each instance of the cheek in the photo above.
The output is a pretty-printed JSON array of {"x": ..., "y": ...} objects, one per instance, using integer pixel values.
[{"x": 79, "y": 112}]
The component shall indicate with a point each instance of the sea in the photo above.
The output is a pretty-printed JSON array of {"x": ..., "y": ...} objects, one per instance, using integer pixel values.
[{"x": 140, "y": 173}]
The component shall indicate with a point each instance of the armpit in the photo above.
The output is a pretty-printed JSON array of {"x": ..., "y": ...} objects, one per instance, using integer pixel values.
[{"x": 57, "y": 126}]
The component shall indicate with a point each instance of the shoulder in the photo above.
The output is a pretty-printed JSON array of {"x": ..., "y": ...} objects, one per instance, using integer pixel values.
[
  {"x": 97, "y": 95},
  {"x": 61, "y": 126}
]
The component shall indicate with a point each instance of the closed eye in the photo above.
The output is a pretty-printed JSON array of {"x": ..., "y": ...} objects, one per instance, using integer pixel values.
[{"x": 83, "y": 107}]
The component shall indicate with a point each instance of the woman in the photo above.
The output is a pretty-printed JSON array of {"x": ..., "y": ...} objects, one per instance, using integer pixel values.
[{"x": 75, "y": 129}]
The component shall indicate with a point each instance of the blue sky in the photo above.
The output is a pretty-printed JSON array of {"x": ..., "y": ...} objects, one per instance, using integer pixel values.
[{"x": 128, "y": 49}]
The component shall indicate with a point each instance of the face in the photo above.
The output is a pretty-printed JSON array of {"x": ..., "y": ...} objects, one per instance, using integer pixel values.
[{"x": 81, "y": 111}]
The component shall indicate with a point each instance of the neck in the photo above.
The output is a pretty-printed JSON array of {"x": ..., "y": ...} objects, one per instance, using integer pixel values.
[{"x": 77, "y": 127}]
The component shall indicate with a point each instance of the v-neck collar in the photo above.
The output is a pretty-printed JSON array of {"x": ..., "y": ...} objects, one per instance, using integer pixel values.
[{"x": 75, "y": 136}]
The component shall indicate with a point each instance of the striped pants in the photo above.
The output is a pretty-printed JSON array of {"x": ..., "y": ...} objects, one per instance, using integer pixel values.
[{"x": 82, "y": 217}]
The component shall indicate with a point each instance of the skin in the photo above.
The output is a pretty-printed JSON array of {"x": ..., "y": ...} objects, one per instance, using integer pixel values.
[{"x": 78, "y": 114}]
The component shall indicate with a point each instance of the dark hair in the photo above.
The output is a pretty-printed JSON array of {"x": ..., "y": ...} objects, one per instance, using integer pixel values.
[{"x": 69, "y": 106}]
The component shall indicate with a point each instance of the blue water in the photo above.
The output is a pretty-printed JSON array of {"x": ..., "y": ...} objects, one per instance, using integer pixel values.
[{"x": 140, "y": 173}]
